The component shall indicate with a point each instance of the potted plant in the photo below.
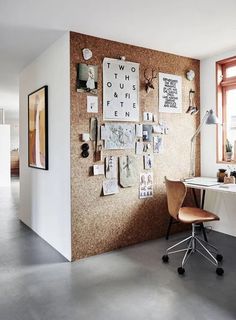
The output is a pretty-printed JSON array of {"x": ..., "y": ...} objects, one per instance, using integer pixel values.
[{"x": 228, "y": 150}]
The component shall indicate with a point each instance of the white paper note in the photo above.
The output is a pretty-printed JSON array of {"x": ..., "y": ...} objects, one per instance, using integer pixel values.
[
  {"x": 98, "y": 169},
  {"x": 92, "y": 104},
  {"x": 147, "y": 116},
  {"x": 139, "y": 147},
  {"x": 139, "y": 130}
]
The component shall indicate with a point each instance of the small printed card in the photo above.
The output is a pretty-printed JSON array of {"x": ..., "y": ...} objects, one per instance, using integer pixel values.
[
  {"x": 92, "y": 104},
  {"x": 98, "y": 169}
]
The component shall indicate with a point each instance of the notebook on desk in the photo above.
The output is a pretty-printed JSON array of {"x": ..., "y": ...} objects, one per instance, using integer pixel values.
[{"x": 202, "y": 181}]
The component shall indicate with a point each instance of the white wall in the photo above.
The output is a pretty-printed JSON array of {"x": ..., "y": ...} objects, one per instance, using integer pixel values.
[
  {"x": 45, "y": 204},
  {"x": 222, "y": 204},
  {"x": 14, "y": 125},
  {"x": 4, "y": 155}
]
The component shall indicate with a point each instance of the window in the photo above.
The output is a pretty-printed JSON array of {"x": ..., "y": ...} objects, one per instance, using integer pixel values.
[{"x": 226, "y": 109}]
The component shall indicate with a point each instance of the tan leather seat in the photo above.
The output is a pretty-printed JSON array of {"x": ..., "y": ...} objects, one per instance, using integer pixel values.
[
  {"x": 176, "y": 192},
  {"x": 195, "y": 215}
]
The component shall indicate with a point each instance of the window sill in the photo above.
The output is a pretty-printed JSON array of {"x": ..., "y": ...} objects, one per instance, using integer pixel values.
[{"x": 226, "y": 162}]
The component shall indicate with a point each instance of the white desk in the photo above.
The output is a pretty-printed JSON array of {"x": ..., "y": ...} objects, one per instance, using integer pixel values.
[
  {"x": 205, "y": 183},
  {"x": 220, "y": 200}
]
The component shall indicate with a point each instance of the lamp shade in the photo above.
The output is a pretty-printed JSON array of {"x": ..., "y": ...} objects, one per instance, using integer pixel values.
[{"x": 211, "y": 118}]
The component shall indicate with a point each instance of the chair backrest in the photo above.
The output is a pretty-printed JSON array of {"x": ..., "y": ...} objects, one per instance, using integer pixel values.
[{"x": 176, "y": 192}]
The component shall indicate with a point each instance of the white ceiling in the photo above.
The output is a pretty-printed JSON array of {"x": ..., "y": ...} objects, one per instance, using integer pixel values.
[{"x": 191, "y": 28}]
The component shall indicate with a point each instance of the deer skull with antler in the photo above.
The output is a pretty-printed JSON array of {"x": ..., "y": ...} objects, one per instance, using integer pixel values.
[{"x": 149, "y": 80}]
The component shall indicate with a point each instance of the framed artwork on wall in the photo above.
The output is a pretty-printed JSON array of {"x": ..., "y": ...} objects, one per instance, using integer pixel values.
[
  {"x": 170, "y": 93},
  {"x": 38, "y": 129},
  {"x": 120, "y": 90}
]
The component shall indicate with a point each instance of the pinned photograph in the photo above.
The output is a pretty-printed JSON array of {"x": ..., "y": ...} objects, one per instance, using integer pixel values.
[
  {"x": 87, "y": 78},
  {"x": 146, "y": 185},
  {"x": 147, "y": 132}
]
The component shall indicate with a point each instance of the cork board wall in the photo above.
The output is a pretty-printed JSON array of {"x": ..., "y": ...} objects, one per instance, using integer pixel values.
[{"x": 100, "y": 223}]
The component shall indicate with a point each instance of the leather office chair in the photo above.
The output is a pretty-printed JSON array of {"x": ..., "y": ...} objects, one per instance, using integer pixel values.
[{"x": 176, "y": 192}]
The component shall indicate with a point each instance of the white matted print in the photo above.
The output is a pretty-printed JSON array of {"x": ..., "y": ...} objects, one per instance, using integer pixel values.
[
  {"x": 120, "y": 90},
  {"x": 119, "y": 136},
  {"x": 146, "y": 185},
  {"x": 170, "y": 93},
  {"x": 92, "y": 104}
]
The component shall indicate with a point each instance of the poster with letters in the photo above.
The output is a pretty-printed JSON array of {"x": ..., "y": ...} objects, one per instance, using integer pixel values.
[
  {"x": 120, "y": 90},
  {"x": 170, "y": 93}
]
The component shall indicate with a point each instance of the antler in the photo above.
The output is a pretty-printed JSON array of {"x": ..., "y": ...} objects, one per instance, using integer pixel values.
[
  {"x": 145, "y": 76},
  {"x": 154, "y": 74},
  {"x": 149, "y": 84}
]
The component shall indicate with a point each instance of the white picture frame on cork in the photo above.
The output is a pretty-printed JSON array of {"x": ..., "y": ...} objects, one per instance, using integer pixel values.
[
  {"x": 120, "y": 90},
  {"x": 170, "y": 93}
]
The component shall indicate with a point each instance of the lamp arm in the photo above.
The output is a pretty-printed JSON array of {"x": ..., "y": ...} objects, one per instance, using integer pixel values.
[
  {"x": 200, "y": 126},
  {"x": 192, "y": 158}
]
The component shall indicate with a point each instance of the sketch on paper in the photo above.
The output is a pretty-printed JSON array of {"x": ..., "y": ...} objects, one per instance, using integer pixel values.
[
  {"x": 146, "y": 185},
  {"x": 127, "y": 170},
  {"x": 170, "y": 93},
  {"x": 110, "y": 186},
  {"x": 119, "y": 136},
  {"x": 157, "y": 144},
  {"x": 148, "y": 161},
  {"x": 111, "y": 167}
]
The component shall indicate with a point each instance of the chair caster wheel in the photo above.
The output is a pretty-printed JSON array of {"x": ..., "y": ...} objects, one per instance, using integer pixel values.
[
  {"x": 181, "y": 270},
  {"x": 219, "y": 271},
  {"x": 165, "y": 258},
  {"x": 219, "y": 257}
]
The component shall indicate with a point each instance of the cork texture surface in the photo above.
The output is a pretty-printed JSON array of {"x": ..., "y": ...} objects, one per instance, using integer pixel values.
[{"x": 103, "y": 223}]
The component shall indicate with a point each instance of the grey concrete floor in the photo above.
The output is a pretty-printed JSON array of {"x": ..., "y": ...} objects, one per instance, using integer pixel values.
[{"x": 37, "y": 283}]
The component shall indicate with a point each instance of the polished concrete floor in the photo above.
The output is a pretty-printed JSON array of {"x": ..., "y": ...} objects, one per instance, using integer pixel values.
[{"x": 36, "y": 283}]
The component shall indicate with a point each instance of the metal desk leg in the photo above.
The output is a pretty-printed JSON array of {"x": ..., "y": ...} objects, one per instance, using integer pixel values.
[{"x": 203, "y": 198}]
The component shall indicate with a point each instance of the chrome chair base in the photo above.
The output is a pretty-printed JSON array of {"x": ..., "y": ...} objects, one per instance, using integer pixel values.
[{"x": 194, "y": 243}]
